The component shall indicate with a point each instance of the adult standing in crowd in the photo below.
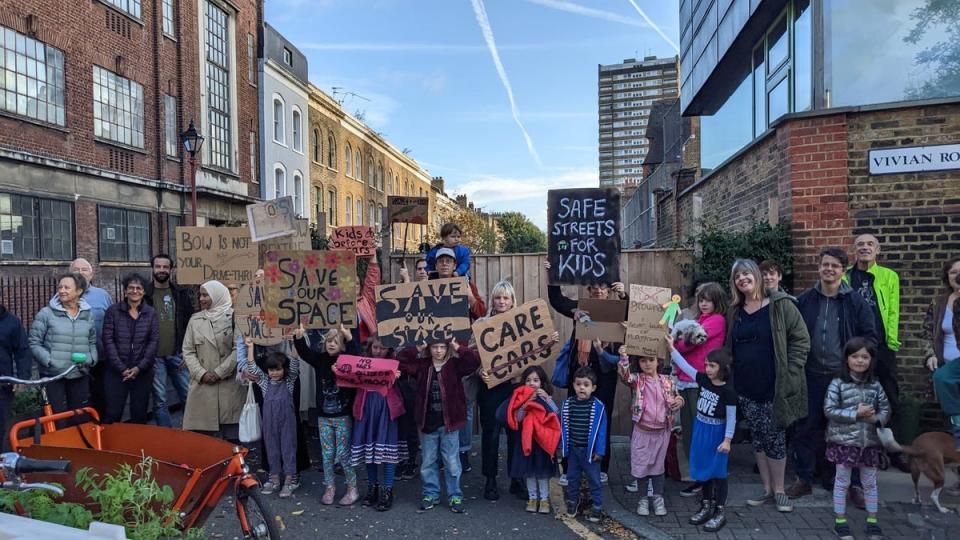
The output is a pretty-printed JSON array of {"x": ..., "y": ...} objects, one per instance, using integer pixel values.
[
  {"x": 174, "y": 307},
  {"x": 833, "y": 313},
  {"x": 64, "y": 334},
  {"x": 772, "y": 275},
  {"x": 941, "y": 328},
  {"x": 99, "y": 301},
  {"x": 769, "y": 342},
  {"x": 14, "y": 362},
  {"x": 879, "y": 287},
  {"x": 215, "y": 398},
  {"x": 407, "y": 383},
  {"x": 131, "y": 333},
  {"x": 584, "y": 353}
]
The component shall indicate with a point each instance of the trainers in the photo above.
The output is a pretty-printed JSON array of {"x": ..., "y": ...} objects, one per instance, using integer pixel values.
[
  {"x": 691, "y": 490},
  {"x": 287, "y": 490},
  {"x": 659, "y": 506},
  {"x": 293, "y": 482},
  {"x": 268, "y": 487},
  {"x": 563, "y": 480},
  {"x": 532, "y": 506},
  {"x": 465, "y": 466},
  {"x": 842, "y": 531},
  {"x": 595, "y": 515},
  {"x": 643, "y": 506},
  {"x": 783, "y": 503},
  {"x": 632, "y": 487},
  {"x": 571, "y": 509},
  {"x": 456, "y": 505},
  {"x": 604, "y": 478},
  {"x": 427, "y": 503},
  {"x": 874, "y": 532},
  {"x": 545, "y": 507},
  {"x": 799, "y": 489},
  {"x": 763, "y": 498}
]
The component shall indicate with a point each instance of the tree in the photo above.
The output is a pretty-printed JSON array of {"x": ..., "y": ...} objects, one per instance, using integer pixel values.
[
  {"x": 478, "y": 235},
  {"x": 520, "y": 235}
]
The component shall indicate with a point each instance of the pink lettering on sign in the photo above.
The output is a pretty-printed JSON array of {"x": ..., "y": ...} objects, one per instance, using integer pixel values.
[{"x": 373, "y": 374}]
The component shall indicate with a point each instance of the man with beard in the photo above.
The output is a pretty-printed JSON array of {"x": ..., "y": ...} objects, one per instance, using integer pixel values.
[{"x": 174, "y": 306}]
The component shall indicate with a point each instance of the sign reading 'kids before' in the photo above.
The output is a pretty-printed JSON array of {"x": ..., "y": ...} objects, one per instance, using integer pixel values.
[{"x": 583, "y": 236}]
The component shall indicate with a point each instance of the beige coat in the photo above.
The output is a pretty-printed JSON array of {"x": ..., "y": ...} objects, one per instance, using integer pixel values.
[{"x": 210, "y": 405}]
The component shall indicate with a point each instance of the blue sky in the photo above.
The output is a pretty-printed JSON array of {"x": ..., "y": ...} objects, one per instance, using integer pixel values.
[{"x": 428, "y": 69}]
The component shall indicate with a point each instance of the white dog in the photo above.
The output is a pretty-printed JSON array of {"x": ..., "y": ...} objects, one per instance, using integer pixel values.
[{"x": 689, "y": 331}]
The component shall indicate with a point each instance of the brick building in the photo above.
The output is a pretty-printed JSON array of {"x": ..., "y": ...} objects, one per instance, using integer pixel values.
[
  {"x": 95, "y": 96},
  {"x": 798, "y": 104}
]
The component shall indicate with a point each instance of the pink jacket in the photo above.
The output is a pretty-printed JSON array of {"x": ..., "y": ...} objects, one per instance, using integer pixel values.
[{"x": 696, "y": 355}]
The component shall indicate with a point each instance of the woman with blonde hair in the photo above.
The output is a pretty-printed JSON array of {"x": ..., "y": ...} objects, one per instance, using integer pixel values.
[{"x": 769, "y": 343}]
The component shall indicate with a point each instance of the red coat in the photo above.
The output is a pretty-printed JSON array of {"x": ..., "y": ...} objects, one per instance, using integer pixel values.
[{"x": 540, "y": 424}]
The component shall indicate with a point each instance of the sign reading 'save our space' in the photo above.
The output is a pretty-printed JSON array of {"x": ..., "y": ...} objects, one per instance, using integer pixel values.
[
  {"x": 941, "y": 157},
  {"x": 583, "y": 236}
]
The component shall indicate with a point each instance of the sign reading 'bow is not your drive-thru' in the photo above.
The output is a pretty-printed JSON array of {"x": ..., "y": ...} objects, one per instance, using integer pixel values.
[{"x": 583, "y": 236}]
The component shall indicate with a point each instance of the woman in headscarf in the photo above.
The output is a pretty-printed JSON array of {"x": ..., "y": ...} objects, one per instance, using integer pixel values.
[{"x": 215, "y": 398}]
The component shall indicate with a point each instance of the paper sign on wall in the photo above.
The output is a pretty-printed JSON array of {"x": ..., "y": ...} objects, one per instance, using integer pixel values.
[
  {"x": 270, "y": 219},
  {"x": 423, "y": 311},
  {"x": 644, "y": 335},
  {"x": 225, "y": 254},
  {"x": 583, "y": 236},
  {"x": 374, "y": 374},
  {"x": 408, "y": 209},
  {"x": 358, "y": 239},
  {"x": 606, "y": 320},
  {"x": 315, "y": 288},
  {"x": 510, "y": 342}
]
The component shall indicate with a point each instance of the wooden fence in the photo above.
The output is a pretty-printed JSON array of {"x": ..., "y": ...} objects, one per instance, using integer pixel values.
[{"x": 643, "y": 267}]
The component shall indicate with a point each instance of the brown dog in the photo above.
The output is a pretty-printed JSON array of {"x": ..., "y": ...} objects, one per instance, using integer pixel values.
[{"x": 929, "y": 454}]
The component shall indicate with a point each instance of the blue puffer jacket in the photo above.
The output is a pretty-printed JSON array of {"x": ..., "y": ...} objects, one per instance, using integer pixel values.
[
  {"x": 54, "y": 337},
  {"x": 129, "y": 342}
]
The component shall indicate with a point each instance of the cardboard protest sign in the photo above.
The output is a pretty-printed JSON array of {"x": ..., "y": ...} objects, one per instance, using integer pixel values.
[
  {"x": 226, "y": 254},
  {"x": 315, "y": 288},
  {"x": 270, "y": 219},
  {"x": 423, "y": 311},
  {"x": 408, "y": 209},
  {"x": 606, "y": 320},
  {"x": 249, "y": 316},
  {"x": 583, "y": 236},
  {"x": 374, "y": 374},
  {"x": 298, "y": 241},
  {"x": 510, "y": 342},
  {"x": 358, "y": 239},
  {"x": 644, "y": 333}
]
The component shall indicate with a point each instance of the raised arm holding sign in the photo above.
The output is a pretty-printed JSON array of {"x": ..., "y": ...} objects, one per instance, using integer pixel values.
[
  {"x": 416, "y": 313},
  {"x": 510, "y": 342},
  {"x": 373, "y": 374}
]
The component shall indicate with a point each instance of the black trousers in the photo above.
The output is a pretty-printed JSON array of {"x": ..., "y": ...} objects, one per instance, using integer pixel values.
[
  {"x": 407, "y": 423},
  {"x": 6, "y": 402},
  {"x": 887, "y": 375},
  {"x": 303, "y": 454},
  {"x": 488, "y": 400},
  {"x": 116, "y": 391},
  {"x": 67, "y": 395}
]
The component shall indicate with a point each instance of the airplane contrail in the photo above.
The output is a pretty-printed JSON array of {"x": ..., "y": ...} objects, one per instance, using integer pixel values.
[
  {"x": 481, "y": 13},
  {"x": 653, "y": 25},
  {"x": 571, "y": 7}
]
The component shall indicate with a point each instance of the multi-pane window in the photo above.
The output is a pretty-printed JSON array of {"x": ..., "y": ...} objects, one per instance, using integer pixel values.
[
  {"x": 287, "y": 57},
  {"x": 379, "y": 220},
  {"x": 279, "y": 183},
  {"x": 317, "y": 201},
  {"x": 251, "y": 61},
  {"x": 131, "y": 7},
  {"x": 32, "y": 228},
  {"x": 358, "y": 168},
  {"x": 317, "y": 154},
  {"x": 372, "y": 216},
  {"x": 358, "y": 216},
  {"x": 298, "y": 193},
  {"x": 371, "y": 174},
  {"x": 297, "y": 131},
  {"x": 253, "y": 157},
  {"x": 167, "y": 15},
  {"x": 348, "y": 158},
  {"x": 331, "y": 152},
  {"x": 117, "y": 108},
  {"x": 277, "y": 120},
  {"x": 170, "y": 124},
  {"x": 349, "y": 207},
  {"x": 124, "y": 234},
  {"x": 218, "y": 86},
  {"x": 390, "y": 183},
  {"x": 331, "y": 207},
  {"x": 31, "y": 78},
  {"x": 173, "y": 221}
]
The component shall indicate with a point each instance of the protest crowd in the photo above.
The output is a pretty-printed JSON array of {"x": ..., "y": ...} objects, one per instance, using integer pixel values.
[{"x": 395, "y": 373}]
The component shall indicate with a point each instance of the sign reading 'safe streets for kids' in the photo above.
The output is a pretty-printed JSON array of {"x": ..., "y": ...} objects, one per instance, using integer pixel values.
[
  {"x": 315, "y": 288},
  {"x": 583, "y": 236}
]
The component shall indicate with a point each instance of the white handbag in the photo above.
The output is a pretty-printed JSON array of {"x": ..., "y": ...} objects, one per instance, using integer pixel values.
[{"x": 250, "y": 419}]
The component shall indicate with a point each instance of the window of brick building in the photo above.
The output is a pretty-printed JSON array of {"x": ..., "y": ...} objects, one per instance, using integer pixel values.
[
  {"x": 251, "y": 61},
  {"x": 217, "y": 74},
  {"x": 317, "y": 201},
  {"x": 332, "y": 207},
  {"x": 317, "y": 153},
  {"x": 124, "y": 234},
  {"x": 254, "y": 177},
  {"x": 349, "y": 214},
  {"x": 167, "y": 15},
  {"x": 331, "y": 152},
  {"x": 32, "y": 228},
  {"x": 358, "y": 169},
  {"x": 358, "y": 216},
  {"x": 131, "y": 7},
  {"x": 297, "y": 130},
  {"x": 117, "y": 108},
  {"x": 278, "y": 117},
  {"x": 170, "y": 124},
  {"x": 31, "y": 78},
  {"x": 298, "y": 193},
  {"x": 173, "y": 221}
]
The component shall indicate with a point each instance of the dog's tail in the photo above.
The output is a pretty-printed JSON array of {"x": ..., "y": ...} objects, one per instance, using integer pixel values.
[{"x": 890, "y": 443}]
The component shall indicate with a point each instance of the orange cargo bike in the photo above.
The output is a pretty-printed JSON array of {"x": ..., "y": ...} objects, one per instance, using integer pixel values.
[{"x": 200, "y": 469}]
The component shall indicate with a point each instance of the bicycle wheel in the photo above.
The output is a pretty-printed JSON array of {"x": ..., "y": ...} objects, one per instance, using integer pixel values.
[{"x": 259, "y": 517}]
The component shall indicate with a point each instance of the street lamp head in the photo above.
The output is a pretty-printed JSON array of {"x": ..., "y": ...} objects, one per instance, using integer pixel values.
[{"x": 192, "y": 140}]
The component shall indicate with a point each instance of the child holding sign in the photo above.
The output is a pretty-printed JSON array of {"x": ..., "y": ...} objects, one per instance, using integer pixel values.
[
  {"x": 335, "y": 405},
  {"x": 279, "y": 419},
  {"x": 376, "y": 439},
  {"x": 440, "y": 412}
]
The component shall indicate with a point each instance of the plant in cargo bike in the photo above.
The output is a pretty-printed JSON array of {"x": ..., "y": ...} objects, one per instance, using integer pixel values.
[{"x": 39, "y": 504}]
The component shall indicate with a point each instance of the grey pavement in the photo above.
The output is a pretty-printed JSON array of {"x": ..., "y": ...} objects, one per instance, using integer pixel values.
[{"x": 812, "y": 517}]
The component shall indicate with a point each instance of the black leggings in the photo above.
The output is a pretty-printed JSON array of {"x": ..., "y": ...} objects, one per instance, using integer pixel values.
[
  {"x": 715, "y": 490},
  {"x": 489, "y": 400}
]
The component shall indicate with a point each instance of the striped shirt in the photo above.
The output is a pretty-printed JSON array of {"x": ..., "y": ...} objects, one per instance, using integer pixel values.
[{"x": 579, "y": 423}]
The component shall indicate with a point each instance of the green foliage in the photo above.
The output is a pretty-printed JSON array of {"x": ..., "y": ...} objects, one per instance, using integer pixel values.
[
  {"x": 40, "y": 505},
  {"x": 760, "y": 241},
  {"x": 520, "y": 235},
  {"x": 27, "y": 401},
  {"x": 131, "y": 497}
]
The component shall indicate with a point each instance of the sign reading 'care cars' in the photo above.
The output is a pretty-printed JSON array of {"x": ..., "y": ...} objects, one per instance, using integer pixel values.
[{"x": 941, "y": 157}]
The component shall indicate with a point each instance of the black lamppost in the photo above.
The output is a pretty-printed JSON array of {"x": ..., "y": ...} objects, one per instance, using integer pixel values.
[{"x": 192, "y": 142}]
